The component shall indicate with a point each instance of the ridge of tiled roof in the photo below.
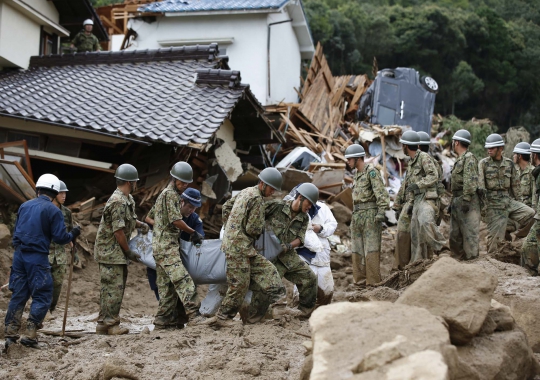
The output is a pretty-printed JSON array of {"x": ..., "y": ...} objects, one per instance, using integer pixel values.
[
  {"x": 208, "y": 53},
  {"x": 211, "y": 5},
  {"x": 217, "y": 76}
]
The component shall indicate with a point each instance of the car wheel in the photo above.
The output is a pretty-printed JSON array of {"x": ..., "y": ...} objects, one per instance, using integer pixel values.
[{"x": 429, "y": 84}]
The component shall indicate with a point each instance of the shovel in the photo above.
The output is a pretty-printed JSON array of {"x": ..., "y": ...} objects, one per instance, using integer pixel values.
[{"x": 69, "y": 287}]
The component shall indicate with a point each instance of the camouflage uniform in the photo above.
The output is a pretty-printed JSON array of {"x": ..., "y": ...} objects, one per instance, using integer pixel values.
[
  {"x": 531, "y": 248},
  {"x": 287, "y": 228},
  {"x": 402, "y": 249},
  {"x": 119, "y": 213},
  {"x": 173, "y": 280},
  {"x": 465, "y": 227},
  {"x": 59, "y": 259},
  {"x": 370, "y": 199},
  {"x": 84, "y": 42},
  {"x": 500, "y": 180},
  {"x": 527, "y": 186},
  {"x": 425, "y": 235},
  {"x": 244, "y": 215}
]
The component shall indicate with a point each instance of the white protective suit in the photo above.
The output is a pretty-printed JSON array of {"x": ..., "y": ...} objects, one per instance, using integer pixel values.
[{"x": 319, "y": 244}]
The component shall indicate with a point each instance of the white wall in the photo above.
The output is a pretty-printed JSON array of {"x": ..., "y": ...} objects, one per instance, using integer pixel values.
[
  {"x": 19, "y": 37},
  {"x": 247, "y": 53},
  {"x": 285, "y": 60},
  {"x": 46, "y": 8}
]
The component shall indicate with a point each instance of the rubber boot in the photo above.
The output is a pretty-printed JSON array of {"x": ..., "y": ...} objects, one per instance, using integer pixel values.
[
  {"x": 195, "y": 318},
  {"x": 29, "y": 338},
  {"x": 359, "y": 270},
  {"x": 11, "y": 335},
  {"x": 402, "y": 251},
  {"x": 305, "y": 311},
  {"x": 218, "y": 321},
  {"x": 373, "y": 268},
  {"x": 102, "y": 329},
  {"x": 117, "y": 330}
]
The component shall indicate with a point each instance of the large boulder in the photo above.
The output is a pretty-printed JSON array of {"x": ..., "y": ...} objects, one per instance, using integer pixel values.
[
  {"x": 459, "y": 293},
  {"x": 5, "y": 236},
  {"x": 503, "y": 355},
  {"x": 374, "y": 340},
  {"x": 522, "y": 295},
  {"x": 342, "y": 213}
]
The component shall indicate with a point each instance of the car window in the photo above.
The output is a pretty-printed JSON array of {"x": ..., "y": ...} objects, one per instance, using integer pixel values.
[{"x": 303, "y": 161}]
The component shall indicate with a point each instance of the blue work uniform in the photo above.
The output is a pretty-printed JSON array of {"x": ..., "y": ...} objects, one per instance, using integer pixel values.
[
  {"x": 193, "y": 221},
  {"x": 38, "y": 222}
]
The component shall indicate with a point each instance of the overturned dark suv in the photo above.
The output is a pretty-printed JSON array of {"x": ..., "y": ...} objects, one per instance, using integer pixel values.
[{"x": 399, "y": 97}]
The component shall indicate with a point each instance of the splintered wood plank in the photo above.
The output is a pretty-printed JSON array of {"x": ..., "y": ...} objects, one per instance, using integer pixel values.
[
  {"x": 360, "y": 90},
  {"x": 295, "y": 130}
]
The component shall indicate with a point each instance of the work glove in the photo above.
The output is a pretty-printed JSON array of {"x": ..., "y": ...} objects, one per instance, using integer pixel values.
[
  {"x": 380, "y": 218},
  {"x": 409, "y": 210},
  {"x": 286, "y": 247},
  {"x": 412, "y": 187},
  {"x": 76, "y": 259},
  {"x": 196, "y": 238},
  {"x": 132, "y": 255},
  {"x": 465, "y": 208},
  {"x": 75, "y": 232},
  {"x": 144, "y": 228}
]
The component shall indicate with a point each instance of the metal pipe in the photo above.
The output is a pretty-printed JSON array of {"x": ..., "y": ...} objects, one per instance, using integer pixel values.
[
  {"x": 268, "y": 48},
  {"x": 76, "y": 128}
]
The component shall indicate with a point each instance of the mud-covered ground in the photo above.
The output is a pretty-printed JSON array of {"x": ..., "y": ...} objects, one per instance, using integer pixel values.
[{"x": 270, "y": 350}]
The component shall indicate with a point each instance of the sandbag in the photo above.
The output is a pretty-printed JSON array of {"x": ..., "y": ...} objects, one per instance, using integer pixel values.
[{"x": 206, "y": 264}]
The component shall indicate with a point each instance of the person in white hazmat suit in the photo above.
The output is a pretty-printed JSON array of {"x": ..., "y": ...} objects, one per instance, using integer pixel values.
[{"x": 316, "y": 249}]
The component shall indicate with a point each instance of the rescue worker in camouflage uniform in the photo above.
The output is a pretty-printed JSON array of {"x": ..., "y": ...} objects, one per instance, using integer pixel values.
[
  {"x": 112, "y": 252},
  {"x": 173, "y": 280},
  {"x": 59, "y": 254},
  {"x": 289, "y": 221},
  {"x": 499, "y": 186},
  {"x": 522, "y": 158},
  {"x": 531, "y": 247},
  {"x": 243, "y": 218},
  {"x": 421, "y": 192},
  {"x": 464, "y": 208},
  {"x": 425, "y": 144},
  {"x": 85, "y": 40},
  {"x": 371, "y": 200}
]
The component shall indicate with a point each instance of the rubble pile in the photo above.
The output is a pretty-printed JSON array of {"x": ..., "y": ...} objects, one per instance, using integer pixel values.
[{"x": 430, "y": 332}]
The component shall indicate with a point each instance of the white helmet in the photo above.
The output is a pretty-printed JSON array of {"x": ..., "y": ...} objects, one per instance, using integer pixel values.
[
  {"x": 88, "y": 22},
  {"x": 48, "y": 181}
]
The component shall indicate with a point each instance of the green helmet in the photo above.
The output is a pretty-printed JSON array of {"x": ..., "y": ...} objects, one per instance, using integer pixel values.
[
  {"x": 127, "y": 172},
  {"x": 63, "y": 187},
  {"x": 522, "y": 148},
  {"x": 462, "y": 135},
  {"x": 535, "y": 146},
  {"x": 272, "y": 177},
  {"x": 424, "y": 138},
  {"x": 494, "y": 140},
  {"x": 182, "y": 171},
  {"x": 355, "y": 151},
  {"x": 410, "y": 138},
  {"x": 309, "y": 191}
]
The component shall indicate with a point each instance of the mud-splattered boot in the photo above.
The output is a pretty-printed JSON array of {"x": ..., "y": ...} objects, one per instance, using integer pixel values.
[
  {"x": 29, "y": 338},
  {"x": 11, "y": 335},
  {"x": 102, "y": 329},
  {"x": 117, "y": 330},
  {"x": 218, "y": 321}
]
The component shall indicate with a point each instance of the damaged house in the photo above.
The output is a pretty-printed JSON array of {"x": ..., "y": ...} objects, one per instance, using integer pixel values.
[{"x": 82, "y": 115}]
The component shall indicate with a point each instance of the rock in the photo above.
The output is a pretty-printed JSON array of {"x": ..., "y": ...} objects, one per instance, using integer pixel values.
[
  {"x": 423, "y": 365},
  {"x": 89, "y": 232},
  {"x": 116, "y": 368},
  {"x": 459, "y": 293},
  {"x": 502, "y": 316},
  {"x": 5, "y": 236},
  {"x": 145, "y": 330},
  {"x": 342, "y": 213},
  {"x": 306, "y": 369},
  {"x": 522, "y": 296},
  {"x": 500, "y": 356},
  {"x": 361, "y": 338}
]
